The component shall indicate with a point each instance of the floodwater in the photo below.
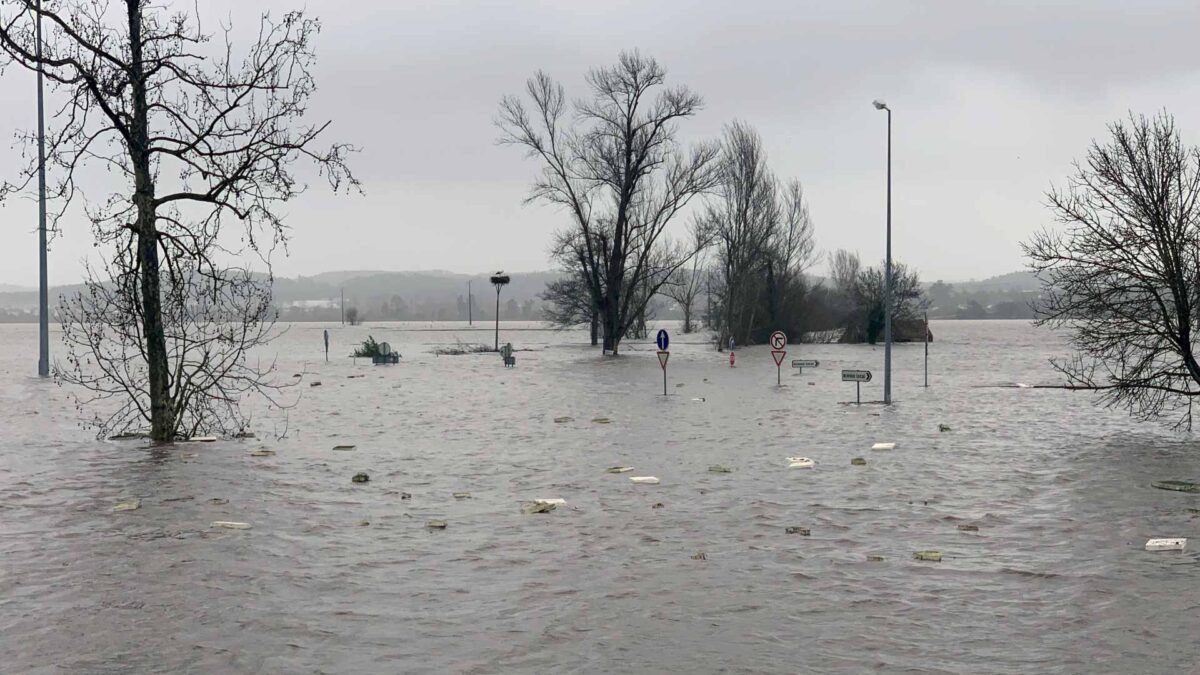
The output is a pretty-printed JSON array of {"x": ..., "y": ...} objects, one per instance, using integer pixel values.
[{"x": 1055, "y": 580}]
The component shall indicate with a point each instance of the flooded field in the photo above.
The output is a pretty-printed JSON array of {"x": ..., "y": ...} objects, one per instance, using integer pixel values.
[{"x": 341, "y": 577}]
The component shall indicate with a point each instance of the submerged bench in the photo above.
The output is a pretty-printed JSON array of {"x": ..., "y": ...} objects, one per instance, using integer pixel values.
[{"x": 385, "y": 355}]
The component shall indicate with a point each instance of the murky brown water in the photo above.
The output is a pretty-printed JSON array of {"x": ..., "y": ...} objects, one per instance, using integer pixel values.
[{"x": 1055, "y": 580}]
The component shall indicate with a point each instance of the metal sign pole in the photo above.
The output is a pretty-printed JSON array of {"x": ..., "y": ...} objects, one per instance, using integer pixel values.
[
  {"x": 926, "y": 350},
  {"x": 858, "y": 393},
  {"x": 664, "y": 380}
]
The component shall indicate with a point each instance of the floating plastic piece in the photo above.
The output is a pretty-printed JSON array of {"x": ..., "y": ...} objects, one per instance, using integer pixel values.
[
  {"x": 943, "y": 427},
  {"x": 555, "y": 501},
  {"x": 129, "y": 435},
  {"x": 700, "y": 400},
  {"x": 1166, "y": 544},
  {"x": 361, "y": 477},
  {"x": 203, "y": 439},
  {"x": 230, "y": 525},
  {"x": 462, "y": 495},
  {"x": 563, "y": 420},
  {"x": 131, "y": 505},
  {"x": 315, "y": 383},
  {"x": 618, "y": 469},
  {"x": 800, "y": 463},
  {"x": 966, "y": 527},
  {"x": 884, "y": 446},
  {"x": 218, "y": 501},
  {"x": 601, "y": 420},
  {"x": 262, "y": 453},
  {"x": 1177, "y": 485},
  {"x": 717, "y": 468},
  {"x": 644, "y": 480},
  {"x": 699, "y": 556},
  {"x": 874, "y": 558},
  {"x": 437, "y": 524},
  {"x": 858, "y": 461},
  {"x": 802, "y": 531},
  {"x": 344, "y": 448},
  {"x": 931, "y": 556}
]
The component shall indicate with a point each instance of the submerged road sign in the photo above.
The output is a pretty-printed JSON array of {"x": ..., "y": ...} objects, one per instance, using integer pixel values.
[
  {"x": 805, "y": 363},
  {"x": 856, "y": 376},
  {"x": 662, "y": 359},
  {"x": 663, "y": 340},
  {"x": 778, "y": 340},
  {"x": 778, "y": 356}
]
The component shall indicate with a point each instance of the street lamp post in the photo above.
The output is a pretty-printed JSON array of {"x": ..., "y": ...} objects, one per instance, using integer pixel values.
[
  {"x": 887, "y": 273},
  {"x": 499, "y": 279},
  {"x": 43, "y": 286}
]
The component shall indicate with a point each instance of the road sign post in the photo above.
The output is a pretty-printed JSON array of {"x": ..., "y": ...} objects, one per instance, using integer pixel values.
[
  {"x": 326, "y": 345},
  {"x": 857, "y": 377},
  {"x": 778, "y": 351},
  {"x": 664, "y": 341}
]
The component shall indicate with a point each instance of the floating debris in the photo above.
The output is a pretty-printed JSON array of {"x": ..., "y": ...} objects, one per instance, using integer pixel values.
[
  {"x": 1176, "y": 485},
  {"x": 556, "y": 501},
  {"x": 364, "y": 523},
  {"x": 202, "y": 439},
  {"x": 262, "y": 452},
  {"x": 218, "y": 501},
  {"x": 943, "y": 427},
  {"x": 601, "y": 420},
  {"x": 618, "y": 469},
  {"x": 858, "y": 461},
  {"x": 297, "y": 375},
  {"x": 131, "y": 505},
  {"x": 1177, "y": 544},
  {"x": 930, "y": 556},
  {"x": 361, "y": 477},
  {"x": 344, "y": 448},
  {"x": 658, "y": 505},
  {"x": 800, "y": 463},
  {"x": 717, "y": 468},
  {"x": 966, "y": 527},
  {"x": 699, "y": 555},
  {"x": 244, "y": 434},
  {"x": 314, "y": 383},
  {"x": 537, "y": 507},
  {"x": 437, "y": 524},
  {"x": 802, "y": 531},
  {"x": 700, "y": 400},
  {"x": 644, "y": 480},
  {"x": 563, "y": 420},
  {"x": 874, "y": 558},
  {"x": 462, "y": 495},
  {"x": 405, "y": 495},
  {"x": 884, "y": 446},
  {"x": 230, "y": 525},
  {"x": 354, "y": 377},
  {"x": 679, "y": 385},
  {"x": 129, "y": 435}
]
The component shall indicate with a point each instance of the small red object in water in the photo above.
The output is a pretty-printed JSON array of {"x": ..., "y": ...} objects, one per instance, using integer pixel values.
[{"x": 730, "y": 359}]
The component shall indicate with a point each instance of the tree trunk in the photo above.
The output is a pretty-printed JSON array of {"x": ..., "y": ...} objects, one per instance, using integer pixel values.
[
  {"x": 595, "y": 327},
  {"x": 162, "y": 416}
]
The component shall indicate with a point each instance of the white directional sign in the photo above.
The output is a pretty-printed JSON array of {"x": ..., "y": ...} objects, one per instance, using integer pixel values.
[
  {"x": 778, "y": 340},
  {"x": 856, "y": 376},
  {"x": 805, "y": 363}
]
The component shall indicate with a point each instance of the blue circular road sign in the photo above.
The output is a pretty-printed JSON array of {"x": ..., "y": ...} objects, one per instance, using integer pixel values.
[{"x": 664, "y": 340}]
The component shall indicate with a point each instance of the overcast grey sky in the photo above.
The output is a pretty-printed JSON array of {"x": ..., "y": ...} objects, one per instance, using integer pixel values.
[{"x": 992, "y": 101}]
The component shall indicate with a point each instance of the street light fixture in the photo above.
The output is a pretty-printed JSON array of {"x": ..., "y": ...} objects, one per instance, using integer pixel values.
[{"x": 887, "y": 273}]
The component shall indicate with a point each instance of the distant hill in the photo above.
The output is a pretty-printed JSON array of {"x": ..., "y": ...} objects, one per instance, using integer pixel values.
[{"x": 1013, "y": 281}]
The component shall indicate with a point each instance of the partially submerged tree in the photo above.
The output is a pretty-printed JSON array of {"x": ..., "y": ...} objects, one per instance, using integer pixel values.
[
  {"x": 199, "y": 139},
  {"x": 764, "y": 241},
  {"x": 860, "y": 297},
  {"x": 1122, "y": 275},
  {"x": 612, "y": 161}
]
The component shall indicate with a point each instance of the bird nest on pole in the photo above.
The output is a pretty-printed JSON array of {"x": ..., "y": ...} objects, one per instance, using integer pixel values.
[{"x": 499, "y": 279}]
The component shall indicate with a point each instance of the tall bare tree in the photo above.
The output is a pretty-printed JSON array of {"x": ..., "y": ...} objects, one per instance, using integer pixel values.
[
  {"x": 1122, "y": 275},
  {"x": 764, "y": 240},
  {"x": 613, "y": 162},
  {"x": 687, "y": 282},
  {"x": 197, "y": 137}
]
